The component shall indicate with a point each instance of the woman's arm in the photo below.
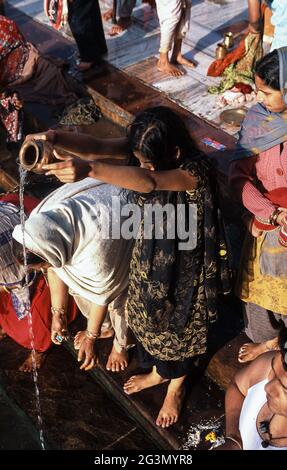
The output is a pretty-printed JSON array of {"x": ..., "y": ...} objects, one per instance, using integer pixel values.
[
  {"x": 83, "y": 146},
  {"x": 59, "y": 304},
  {"x": 241, "y": 180},
  {"x": 143, "y": 180},
  {"x": 255, "y": 17}
]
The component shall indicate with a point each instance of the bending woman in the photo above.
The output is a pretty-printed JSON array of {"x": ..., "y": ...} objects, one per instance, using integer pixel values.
[
  {"x": 259, "y": 174},
  {"x": 66, "y": 233},
  {"x": 172, "y": 294}
]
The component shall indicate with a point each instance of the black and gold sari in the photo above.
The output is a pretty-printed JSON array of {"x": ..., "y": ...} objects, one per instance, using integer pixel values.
[{"x": 173, "y": 293}]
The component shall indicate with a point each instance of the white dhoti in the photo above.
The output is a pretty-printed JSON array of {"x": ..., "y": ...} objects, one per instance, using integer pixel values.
[{"x": 174, "y": 19}]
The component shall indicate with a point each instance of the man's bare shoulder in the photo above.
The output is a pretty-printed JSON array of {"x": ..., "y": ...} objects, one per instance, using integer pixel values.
[{"x": 255, "y": 372}]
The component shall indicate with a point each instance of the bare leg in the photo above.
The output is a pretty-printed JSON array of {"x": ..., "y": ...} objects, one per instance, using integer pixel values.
[
  {"x": 165, "y": 66},
  {"x": 117, "y": 361},
  {"x": 249, "y": 351},
  {"x": 27, "y": 365},
  {"x": 172, "y": 404},
  {"x": 107, "y": 15},
  {"x": 178, "y": 58},
  {"x": 122, "y": 25},
  {"x": 107, "y": 333},
  {"x": 136, "y": 383}
]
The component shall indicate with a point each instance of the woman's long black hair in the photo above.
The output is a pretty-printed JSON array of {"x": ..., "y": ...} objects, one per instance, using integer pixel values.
[
  {"x": 156, "y": 133},
  {"x": 267, "y": 69}
]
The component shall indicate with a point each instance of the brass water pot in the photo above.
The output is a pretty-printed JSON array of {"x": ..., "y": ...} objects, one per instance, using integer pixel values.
[
  {"x": 221, "y": 51},
  {"x": 34, "y": 154},
  {"x": 228, "y": 40}
]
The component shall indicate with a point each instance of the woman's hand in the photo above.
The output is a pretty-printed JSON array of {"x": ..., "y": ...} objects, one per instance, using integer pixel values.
[
  {"x": 248, "y": 220},
  {"x": 58, "y": 328},
  {"x": 48, "y": 136},
  {"x": 281, "y": 219},
  {"x": 86, "y": 347},
  {"x": 69, "y": 169}
]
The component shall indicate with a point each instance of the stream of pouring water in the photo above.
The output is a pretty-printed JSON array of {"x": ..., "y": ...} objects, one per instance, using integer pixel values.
[{"x": 28, "y": 307}]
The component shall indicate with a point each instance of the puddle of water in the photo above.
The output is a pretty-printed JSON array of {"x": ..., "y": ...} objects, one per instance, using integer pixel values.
[{"x": 23, "y": 174}]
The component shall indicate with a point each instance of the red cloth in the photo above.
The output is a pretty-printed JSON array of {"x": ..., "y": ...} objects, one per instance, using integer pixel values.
[
  {"x": 18, "y": 330},
  {"x": 218, "y": 66},
  {"x": 29, "y": 202}
]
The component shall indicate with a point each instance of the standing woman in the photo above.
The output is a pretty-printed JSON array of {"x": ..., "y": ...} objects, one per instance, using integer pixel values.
[
  {"x": 87, "y": 28},
  {"x": 172, "y": 295},
  {"x": 259, "y": 176}
]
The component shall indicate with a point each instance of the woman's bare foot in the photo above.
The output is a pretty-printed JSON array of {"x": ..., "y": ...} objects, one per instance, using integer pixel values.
[
  {"x": 171, "y": 407},
  {"x": 117, "y": 361},
  {"x": 27, "y": 365},
  {"x": 249, "y": 351},
  {"x": 181, "y": 60},
  {"x": 136, "y": 383},
  {"x": 166, "y": 67},
  {"x": 121, "y": 26},
  {"x": 107, "y": 15}
]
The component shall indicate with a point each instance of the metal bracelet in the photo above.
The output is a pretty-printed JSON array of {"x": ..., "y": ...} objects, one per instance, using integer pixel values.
[
  {"x": 91, "y": 335},
  {"x": 59, "y": 311}
]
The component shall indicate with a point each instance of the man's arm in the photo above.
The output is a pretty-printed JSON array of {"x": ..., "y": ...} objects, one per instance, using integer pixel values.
[{"x": 244, "y": 379}]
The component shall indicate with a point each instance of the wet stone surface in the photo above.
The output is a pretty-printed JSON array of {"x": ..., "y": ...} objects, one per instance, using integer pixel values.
[{"x": 77, "y": 413}]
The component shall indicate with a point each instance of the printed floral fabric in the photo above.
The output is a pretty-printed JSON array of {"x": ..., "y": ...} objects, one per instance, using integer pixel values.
[
  {"x": 173, "y": 293},
  {"x": 10, "y": 36}
]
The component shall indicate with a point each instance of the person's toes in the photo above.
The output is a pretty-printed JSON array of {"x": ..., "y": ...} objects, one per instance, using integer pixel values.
[
  {"x": 128, "y": 388},
  {"x": 159, "y": 421},
  {"x": 243, "y": 358},
  {"x": 165, "y": 422}
]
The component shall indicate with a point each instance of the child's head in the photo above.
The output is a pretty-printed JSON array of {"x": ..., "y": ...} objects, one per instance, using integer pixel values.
[
  {"x": 267, "y": 80},
  {"x": 159, "y": 139}
]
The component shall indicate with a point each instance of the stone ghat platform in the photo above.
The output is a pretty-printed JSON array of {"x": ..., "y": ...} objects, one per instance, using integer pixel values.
[{"x": 120, "y": 97}]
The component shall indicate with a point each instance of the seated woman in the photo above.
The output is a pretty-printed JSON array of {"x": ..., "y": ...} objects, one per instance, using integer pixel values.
[
  {"x": 258, "y": 176},
  {"x": 256, "y": 403},
  {"x": 27, "y": 76},
  {"x": 173, "y": 289},
  {"x": 66, "y": 233},
  {"x": 14, "y": 304}
]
